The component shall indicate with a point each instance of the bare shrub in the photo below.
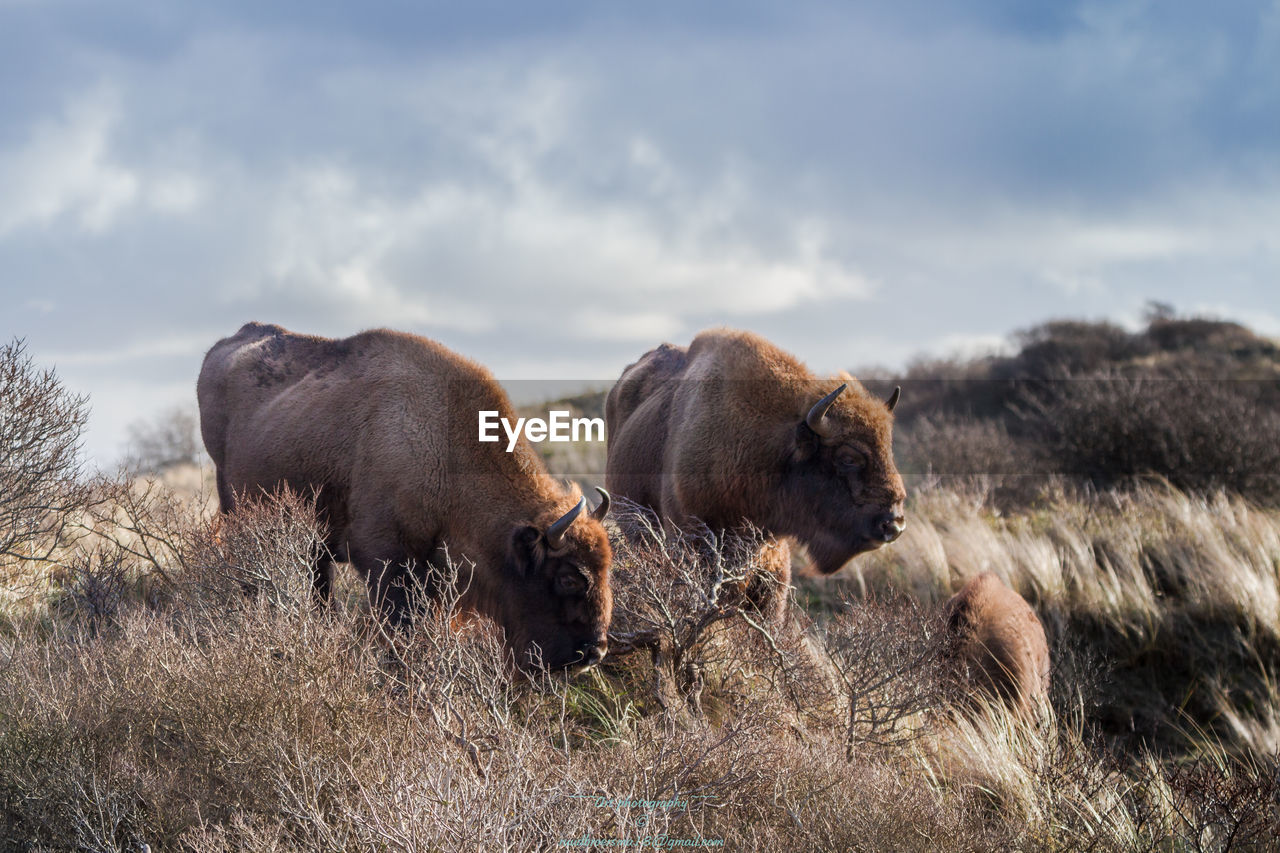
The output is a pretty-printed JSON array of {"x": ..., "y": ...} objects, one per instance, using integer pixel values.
[
  {"x": 889, "y": 656},
  {"x": 974, "y": 455},
  {"x": 265, "y": 549},
  {"x": 1208, "y": 337},
  {"x": 456, "y": 665},
  {"x": 95, "y": 583},
  {"x": 40, "y": 488},
  {"x": 672, "y": 587},
  {"x": 1070, "y": 347},
  {"x": 872, "y": 670},
  {"x": 169, "y": 439},
  {"x": 1192, "y": 399},
  {"x": 947, "y": 446},
  {"x": 1217, "y": 804},
  {"x": 182, "y": 691},
  {"x": 1197, "y": 433}
]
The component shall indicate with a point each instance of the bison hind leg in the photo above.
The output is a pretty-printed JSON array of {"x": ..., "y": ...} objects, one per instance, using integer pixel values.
[{"x": 226, "y": 495}]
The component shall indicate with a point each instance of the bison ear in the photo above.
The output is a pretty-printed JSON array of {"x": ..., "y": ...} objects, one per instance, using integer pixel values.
[
  {"x": 526, "y": 550},
  {"x": 808, "y": 443}
]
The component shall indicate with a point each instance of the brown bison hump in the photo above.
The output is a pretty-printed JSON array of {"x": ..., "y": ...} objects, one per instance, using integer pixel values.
[
  {"x": 746, "y": 353},
  {"x": 637, "y": 411},
  {"x": 643, "y": 380}
]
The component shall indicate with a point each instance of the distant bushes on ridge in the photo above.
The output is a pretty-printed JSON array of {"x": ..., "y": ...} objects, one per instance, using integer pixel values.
[{"x": 1191, "y": 400}]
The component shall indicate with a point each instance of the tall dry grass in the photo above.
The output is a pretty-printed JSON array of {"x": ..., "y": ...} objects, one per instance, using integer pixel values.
[
  {"x": 167, "y": 680},
  {"x": 1165, "y": 604},
  {"x": 178, "y": 688},
  {"x": 224, "y": 711}
]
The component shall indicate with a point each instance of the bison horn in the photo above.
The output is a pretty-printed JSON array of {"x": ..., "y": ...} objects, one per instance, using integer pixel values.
[
  {"x": 819, "y": 411},
  {"x": 555, "y": 533},
  {"x": 893, "y": 398},
  {"x": 603, "y": 509}
]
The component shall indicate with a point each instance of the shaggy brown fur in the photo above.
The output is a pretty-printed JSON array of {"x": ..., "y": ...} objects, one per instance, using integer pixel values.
[
  {"x": 382, "y": 427},
  {"x": 1000, "y": 642},
  {"x": 717, "y": 432}
]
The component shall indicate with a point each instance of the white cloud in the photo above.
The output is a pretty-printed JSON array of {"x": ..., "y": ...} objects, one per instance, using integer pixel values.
[
  {"x": 641, "y": 326},
  {"x": 176, "y": 192},
  {"x": 64, "y": 168},
  {"x": 142, "y": 348},
  {"x": 1102, "y": 242},
  {"x": 1074, "y": 282},
  {"x": 858, "y": 189},
  {"x": 510, "y": 242}
]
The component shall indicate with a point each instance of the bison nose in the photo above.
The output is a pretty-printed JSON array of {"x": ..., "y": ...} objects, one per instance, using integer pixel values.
[
  {"x": 592, "y": 653},
  {"x": 889, "y": 525}
]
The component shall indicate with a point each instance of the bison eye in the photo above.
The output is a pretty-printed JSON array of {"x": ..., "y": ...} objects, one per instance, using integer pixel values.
[
  {"x": 570, "y": 583},
  {"x": 850, "y": 460}
]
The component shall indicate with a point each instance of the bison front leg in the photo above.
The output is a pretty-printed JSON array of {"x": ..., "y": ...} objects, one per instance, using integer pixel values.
[
  {"x": 390, "y": 586},
  {"x": 390, "y": 583},
  {"x": 770, "y": 581},
  {"x": 377, "y": 550}
]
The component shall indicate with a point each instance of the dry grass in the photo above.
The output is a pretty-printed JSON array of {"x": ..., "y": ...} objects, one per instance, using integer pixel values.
[
  {"x": 1170, "y": 600},
  {"x": 173, "y": 685},
  {"x": 166, "y": 679},
  {"x": 228, "y": 713}
]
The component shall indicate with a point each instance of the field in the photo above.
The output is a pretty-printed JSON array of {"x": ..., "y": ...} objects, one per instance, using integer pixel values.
[{"x": 166, "y": 680}]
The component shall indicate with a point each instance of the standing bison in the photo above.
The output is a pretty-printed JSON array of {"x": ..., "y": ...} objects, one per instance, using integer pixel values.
[
  {"x": 734, "y": 431},
  {"x": 381, "y": 427},
  {"x": 999, "y": 641}
]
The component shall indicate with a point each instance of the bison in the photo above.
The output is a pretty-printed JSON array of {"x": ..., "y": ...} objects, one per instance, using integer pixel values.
[
  {"x": 733, "y": 431},
  {"x": 999, "y": 642},
  {"x": 381, "y": 428}
]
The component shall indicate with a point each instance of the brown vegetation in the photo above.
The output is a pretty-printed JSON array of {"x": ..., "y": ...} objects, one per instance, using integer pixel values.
[
  {"x": 167, "y": 681},
  {"x": 40, "y": 423},
  {"x": 214, "y": 708}
]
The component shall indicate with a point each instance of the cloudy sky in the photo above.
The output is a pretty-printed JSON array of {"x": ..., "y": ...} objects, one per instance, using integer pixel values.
[{"x": 553, "y": 188}]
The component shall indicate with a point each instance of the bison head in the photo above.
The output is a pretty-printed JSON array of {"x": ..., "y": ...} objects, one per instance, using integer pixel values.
[
  {"x": 556, "y": 599},
  {"x": 845, "y": 494}
]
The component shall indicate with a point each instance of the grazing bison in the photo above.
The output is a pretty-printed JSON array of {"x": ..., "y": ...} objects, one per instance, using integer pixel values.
[
  {"x": 734, "y": 431},
  {"x": 999, "y": 641},
  {"x": 382, "y": 428}
]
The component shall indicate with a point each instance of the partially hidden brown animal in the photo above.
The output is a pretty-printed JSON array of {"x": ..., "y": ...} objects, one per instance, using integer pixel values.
[
  {"x": 733, "y": 431},
  {"x": 1000, "y": 643},
  {"x": 383, "y": 428}
]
